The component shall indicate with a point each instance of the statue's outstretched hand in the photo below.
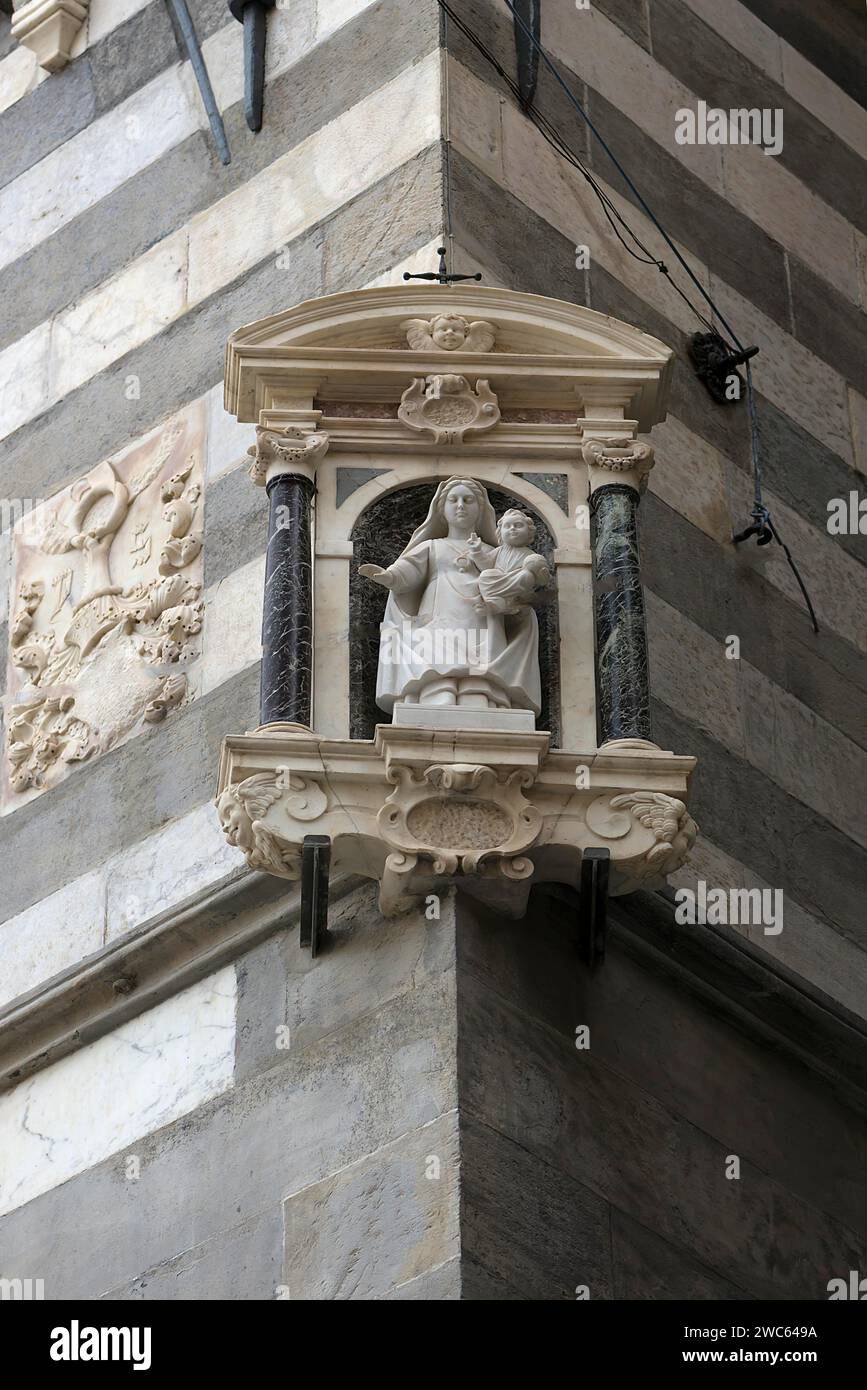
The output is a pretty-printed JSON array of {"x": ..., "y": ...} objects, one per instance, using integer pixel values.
[{"x": 377, "y": 574}]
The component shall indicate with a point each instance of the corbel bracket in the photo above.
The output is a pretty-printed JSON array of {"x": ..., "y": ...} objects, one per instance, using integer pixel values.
[{"x": 48, "y": 28}]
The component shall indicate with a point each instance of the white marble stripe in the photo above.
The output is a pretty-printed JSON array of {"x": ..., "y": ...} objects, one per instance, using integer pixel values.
[
  {"x": 327, "y": 170},
  {"x": 19, "y": 74},
  {"x": 132, "y": 135},
  {"x": 96, "y": 1102},
  {"x": 183, "y": 857}
]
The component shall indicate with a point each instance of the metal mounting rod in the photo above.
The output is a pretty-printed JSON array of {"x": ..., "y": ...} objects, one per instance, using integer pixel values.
[
  {"x": 527, "y": 25},
  {"x": 197, "y": 63}
]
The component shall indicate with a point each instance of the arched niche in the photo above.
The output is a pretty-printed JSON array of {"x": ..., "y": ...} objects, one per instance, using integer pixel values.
[{"x": 378, "y": 536}]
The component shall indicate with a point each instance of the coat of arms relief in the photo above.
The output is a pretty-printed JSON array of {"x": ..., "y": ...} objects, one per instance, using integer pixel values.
[{"x": 106, "y": 613}]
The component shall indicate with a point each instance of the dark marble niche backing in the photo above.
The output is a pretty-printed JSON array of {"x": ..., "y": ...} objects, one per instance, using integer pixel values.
[{"x": 378, "y": 537}]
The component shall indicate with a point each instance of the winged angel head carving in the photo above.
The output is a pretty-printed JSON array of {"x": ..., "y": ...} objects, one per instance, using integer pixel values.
[
  {"x": 449, "y": 332},
  {"x": 241, "y": 810}
]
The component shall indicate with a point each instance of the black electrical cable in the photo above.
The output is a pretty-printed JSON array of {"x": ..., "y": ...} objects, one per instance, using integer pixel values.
[
  {"x": 573, "y": 100},
  {"x": 560, "y": 146},
  {"x": 763, "y": 527}
]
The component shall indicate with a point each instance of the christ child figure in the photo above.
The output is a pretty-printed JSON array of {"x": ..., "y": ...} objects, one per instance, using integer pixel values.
[{"x": 511, "y": 575}]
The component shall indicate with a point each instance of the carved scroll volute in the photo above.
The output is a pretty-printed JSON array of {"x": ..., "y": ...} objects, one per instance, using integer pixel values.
[{"x": 654, "y": 816}]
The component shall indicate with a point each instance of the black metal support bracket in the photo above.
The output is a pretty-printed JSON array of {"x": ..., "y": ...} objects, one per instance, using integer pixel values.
[
  {"x": 526, "y": 52},
  {"x": 715, "y": 364},
  {"x": 315, "y": 861},
  {"x": 593, "y": 904},
  {"x": 251, "y": 13}
]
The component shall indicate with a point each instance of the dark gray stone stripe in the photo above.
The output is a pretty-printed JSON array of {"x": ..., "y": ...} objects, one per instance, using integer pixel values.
[
  {"x": 358, "y": 60},
  {"x": 631, "y": 17},
  {"x": 7, "y": 43},
  {"x": 835, "y": 328},
  {"x": 527, "y": 253},
  {"x": 732, "y": 245},
  {"x": 236, "y": 525},
  {"x": 752, "y": 819},
  {"x": 704, "y": 581},
  {"x": 45, "y": 118},
  {"x": 832, "y": 37},
  {"x": 128, "y": 57},
  {"x": 722, "y": 76},
  {"x": 129, "y": 793},
  {"x": 182, "y": 363}
]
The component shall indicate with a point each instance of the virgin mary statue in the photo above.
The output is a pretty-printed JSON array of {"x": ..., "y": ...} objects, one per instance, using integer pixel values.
[{"x": 440, "y": 643}]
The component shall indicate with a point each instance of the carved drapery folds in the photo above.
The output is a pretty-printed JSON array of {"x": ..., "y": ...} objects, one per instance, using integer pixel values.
[{"x": 109, "y": 610}]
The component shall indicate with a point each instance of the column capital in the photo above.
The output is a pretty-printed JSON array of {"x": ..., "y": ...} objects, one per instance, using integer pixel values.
[
  {"x": 292, "y": 450},
  {"x": 617, "y": 460}
]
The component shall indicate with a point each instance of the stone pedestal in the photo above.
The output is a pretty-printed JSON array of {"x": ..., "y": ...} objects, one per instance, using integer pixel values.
[{"x": 459, "y": 717}]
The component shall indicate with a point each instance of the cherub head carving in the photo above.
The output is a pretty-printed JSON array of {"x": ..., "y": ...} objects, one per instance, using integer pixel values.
[{"x": 448, "y": 332}]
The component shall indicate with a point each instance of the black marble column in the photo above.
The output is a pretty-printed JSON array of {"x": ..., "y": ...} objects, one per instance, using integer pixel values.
[
  {"x": 621, "y": 636},
  {"x": 287, "y": 618}
]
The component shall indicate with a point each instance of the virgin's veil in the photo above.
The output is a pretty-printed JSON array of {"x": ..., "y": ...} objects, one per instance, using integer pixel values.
[{"x": 435, "y": 527}]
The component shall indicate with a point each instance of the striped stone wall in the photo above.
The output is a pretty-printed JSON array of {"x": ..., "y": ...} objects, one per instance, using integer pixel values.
[
  {"x": 781, "y": 733},
  {"x": 128, "y": 254}
]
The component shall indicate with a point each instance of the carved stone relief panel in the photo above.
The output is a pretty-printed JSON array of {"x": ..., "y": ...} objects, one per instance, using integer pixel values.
[{"x": 106, "y": 607}]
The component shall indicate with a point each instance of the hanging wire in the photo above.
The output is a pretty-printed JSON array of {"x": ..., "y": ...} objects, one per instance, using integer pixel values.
[
  {"x": 763, "y": 527},
  {"x": 558, "y": 143}
]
